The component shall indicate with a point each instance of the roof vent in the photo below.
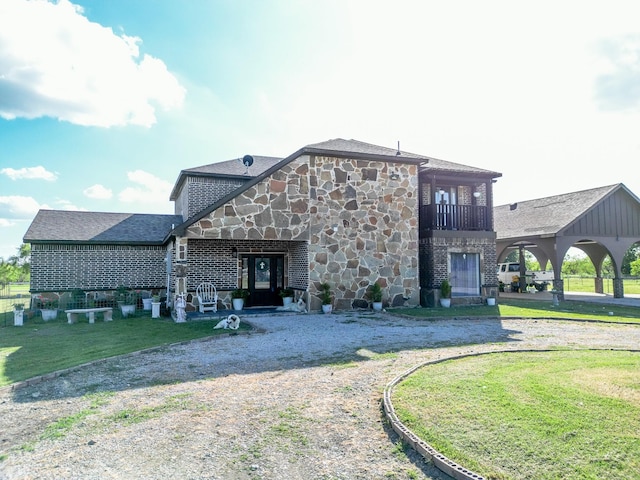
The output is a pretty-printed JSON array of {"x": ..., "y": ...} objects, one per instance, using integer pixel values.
[
  {"x": 398, "y": 153},
  {"x": 513, "y": 206}
]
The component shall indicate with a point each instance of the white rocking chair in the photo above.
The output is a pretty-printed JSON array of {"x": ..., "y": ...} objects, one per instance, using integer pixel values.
[{"x": 207, "y": 297}]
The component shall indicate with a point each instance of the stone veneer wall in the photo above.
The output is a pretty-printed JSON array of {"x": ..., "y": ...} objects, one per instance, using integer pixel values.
[
  {"x": 364, "y": 229},
  {"x": 96, "y": 267},
  {"x": 359, "y": 226}
]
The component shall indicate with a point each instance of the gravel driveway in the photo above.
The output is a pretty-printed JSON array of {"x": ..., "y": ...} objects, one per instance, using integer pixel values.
[{"x": 298, "y": 398}]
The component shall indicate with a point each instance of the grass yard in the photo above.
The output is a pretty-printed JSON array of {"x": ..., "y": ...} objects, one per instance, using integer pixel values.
[
  {"x": 587, "y": 285},
  {"x": 522, "y": 415},
  {"x": 41, "y": 347},
  {"x": 526, "y": 308}
]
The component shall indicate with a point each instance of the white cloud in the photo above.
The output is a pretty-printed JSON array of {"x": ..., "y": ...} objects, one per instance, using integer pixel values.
[
  {"x": 29, "y": 173},
  {"x": 5, "y": 223},
  {"x": 56, "y": 63},
  {"x": 67, "y": 205},
  {"x": 18, "y": 207},
  {"x": 150, "y": 191},
  {"x": 98, "y": 192}
]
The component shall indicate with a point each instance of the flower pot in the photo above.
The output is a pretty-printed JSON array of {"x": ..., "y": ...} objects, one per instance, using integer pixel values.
[
  {"x": 326, "y": 308},
  {"x": 377, "y": 306},
  {"x": 445, "y": 302},
  {"x": 127, "y": 310},
  {"x": 146, "y": 303},
  {"x": 49, "y": 314},
  {"x": 491, "y": 301},
  {"x": 155, "y": 309},
  {"x": 287, "y": 301},
  {"x": 18, "y": 315},
  {"x": 238, "y": 304}
]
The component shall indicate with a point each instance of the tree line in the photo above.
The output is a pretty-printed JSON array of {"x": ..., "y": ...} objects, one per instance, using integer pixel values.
[
  {"x": 581, "y": 265},
  {"x": 17, "y": 268}
]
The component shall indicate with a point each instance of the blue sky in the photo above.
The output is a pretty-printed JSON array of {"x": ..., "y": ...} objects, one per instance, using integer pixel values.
[{"x": 102, "y": 103}]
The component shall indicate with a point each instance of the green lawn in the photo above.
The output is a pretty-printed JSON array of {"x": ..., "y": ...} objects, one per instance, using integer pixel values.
[
  {"x": 42, "y": 347},
  {"x": 522, "y": 415},
  {"x": 526, "y": 308}
]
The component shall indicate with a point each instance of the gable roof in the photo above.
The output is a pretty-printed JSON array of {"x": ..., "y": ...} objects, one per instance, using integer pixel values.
[
  {"x": 225, "y": 169},
  {"x": 61, "y": 226},
  {"x": 336, "y": 147},
  {"x": 341, "y": 147},
  {"x": 549, "y": 215}
]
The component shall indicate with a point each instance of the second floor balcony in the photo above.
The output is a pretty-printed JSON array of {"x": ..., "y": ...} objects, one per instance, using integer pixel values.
[{"x": 454, "y": 217}]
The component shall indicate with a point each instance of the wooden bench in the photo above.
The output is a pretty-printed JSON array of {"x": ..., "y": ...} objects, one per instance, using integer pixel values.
[{"x": 107, "y": 313}]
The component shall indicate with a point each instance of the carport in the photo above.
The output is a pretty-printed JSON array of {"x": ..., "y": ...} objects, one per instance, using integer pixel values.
[{"x": 601, "y": 221}]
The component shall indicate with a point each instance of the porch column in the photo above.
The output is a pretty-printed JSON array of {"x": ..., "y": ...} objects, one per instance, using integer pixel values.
[
  {"x": 618, "y": 288},
  {"x": 598, "y": 284}
]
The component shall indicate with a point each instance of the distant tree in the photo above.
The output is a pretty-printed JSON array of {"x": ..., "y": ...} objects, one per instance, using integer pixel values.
[
  {"x": 17, "y": 268},
  {"x": 578, "y": 265},
  {"x": 635, "y": 268},
  {"x": 630, "y": 256}
]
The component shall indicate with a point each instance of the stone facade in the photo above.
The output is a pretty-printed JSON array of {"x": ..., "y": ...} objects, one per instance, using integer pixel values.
[{"x": 341, "y": 221}]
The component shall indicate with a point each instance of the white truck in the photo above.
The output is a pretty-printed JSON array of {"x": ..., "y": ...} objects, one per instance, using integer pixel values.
[{"x": 509, "y": 276}]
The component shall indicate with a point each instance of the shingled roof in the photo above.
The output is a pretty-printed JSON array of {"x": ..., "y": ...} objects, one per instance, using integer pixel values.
[
  {"x": 227, "y": 168},
  {"x": 546, "y": 216},
  {"x": 342, "y": 147},
  {"x": 61, "y": 226}
]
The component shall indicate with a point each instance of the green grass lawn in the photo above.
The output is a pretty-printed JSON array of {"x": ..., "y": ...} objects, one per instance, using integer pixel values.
[
  {"x": 526, "y": 308},
  {"x": 41, "y": 347},
  {"x": 523, "y": 415}
]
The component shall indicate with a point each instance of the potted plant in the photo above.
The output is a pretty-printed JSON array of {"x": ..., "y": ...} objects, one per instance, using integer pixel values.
[
  {"x": 155, "y": 306},
  {"x": 48, "y": 308},
  {"x": 491, "y": 299},
  {"x": 18, "y": 314},
  {"x": 375, "y": 294},
  {"x": 126, "y": 300},
  {"x": 238, "y": 297},
  {"x": 325, "y": 297},
  {"x": 147, "y": 300},
  {"x": 287, "y": 296},
  {"x": 445, "y": 293}
]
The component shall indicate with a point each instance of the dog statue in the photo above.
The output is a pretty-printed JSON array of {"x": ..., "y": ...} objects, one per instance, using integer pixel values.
[
  {"x": 232, "y": 322},
  {"x": 299, "y": 307}
]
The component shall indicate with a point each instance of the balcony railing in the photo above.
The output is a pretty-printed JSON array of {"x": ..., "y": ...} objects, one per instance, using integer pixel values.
[{"x": 454, "y": 217}]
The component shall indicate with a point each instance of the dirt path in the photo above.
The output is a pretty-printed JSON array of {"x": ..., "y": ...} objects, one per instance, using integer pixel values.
[{"x": 300, "y": 401}]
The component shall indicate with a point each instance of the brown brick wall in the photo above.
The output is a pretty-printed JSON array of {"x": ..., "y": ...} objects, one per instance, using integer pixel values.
[{"x": 96, "y": 267}]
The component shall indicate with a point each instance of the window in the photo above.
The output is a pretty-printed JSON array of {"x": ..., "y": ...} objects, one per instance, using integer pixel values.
[{"x": 465, "y": 274}]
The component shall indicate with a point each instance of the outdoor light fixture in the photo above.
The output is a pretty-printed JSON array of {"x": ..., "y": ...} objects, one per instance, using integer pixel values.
[
  {"x": 394, "y": 176},
  {"x": 476, "y": 194},
  {"x": 234, "y": 252}
]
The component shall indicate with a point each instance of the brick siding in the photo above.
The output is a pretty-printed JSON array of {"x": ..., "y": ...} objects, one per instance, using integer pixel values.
[{"x": 96, "y": 267}]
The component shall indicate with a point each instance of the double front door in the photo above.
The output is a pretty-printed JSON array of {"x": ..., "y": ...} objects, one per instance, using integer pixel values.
[{"x": 263, "y": 276}]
